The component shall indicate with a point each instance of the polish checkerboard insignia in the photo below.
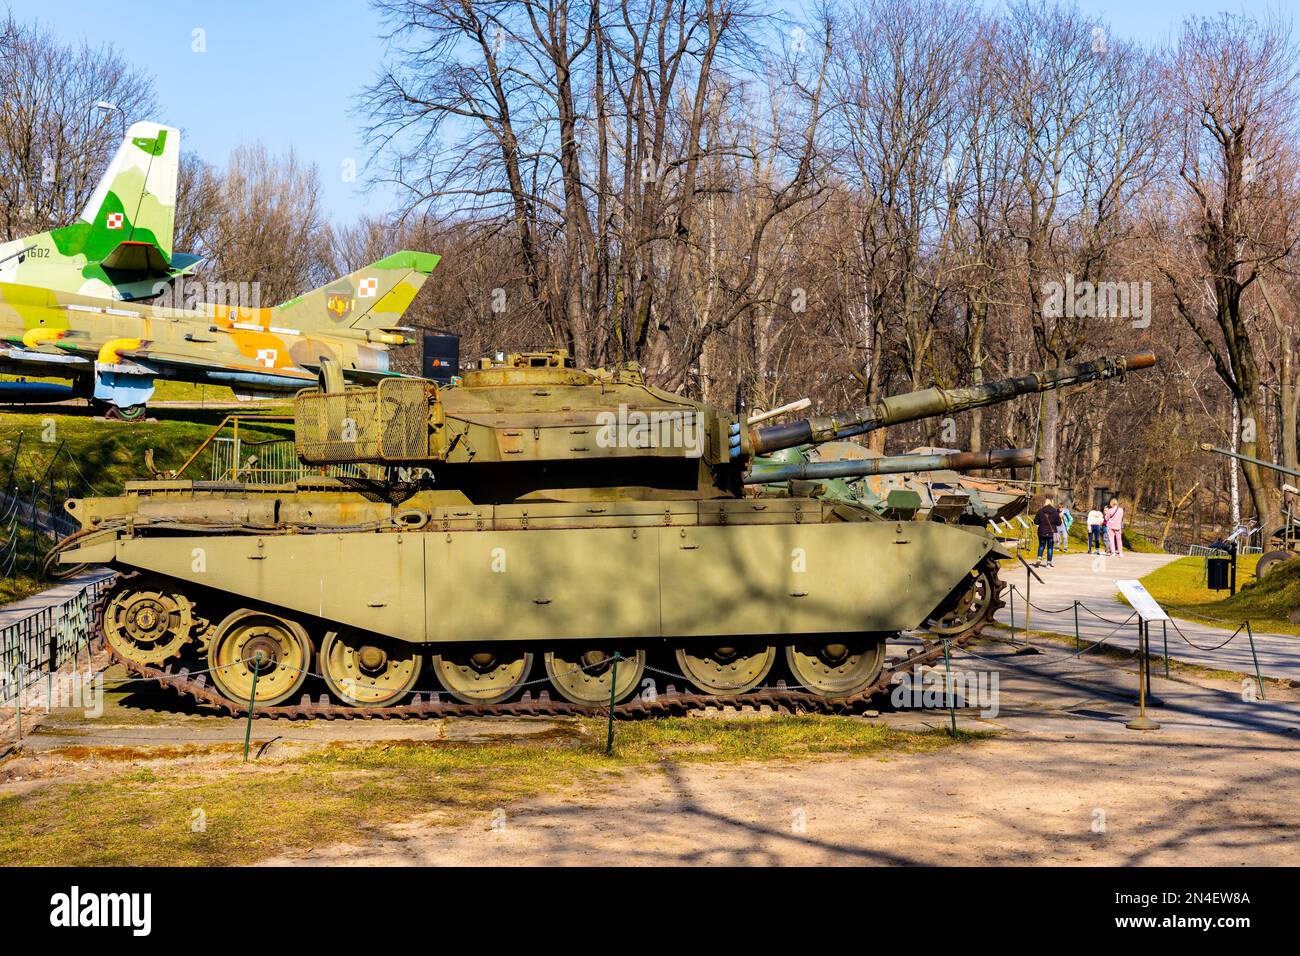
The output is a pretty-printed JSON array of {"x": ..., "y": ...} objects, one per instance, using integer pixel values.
[
  {"x": 266, "y": 357},
  {"x": 368, "y": 288},
  {"x": 115, "y": 220}
]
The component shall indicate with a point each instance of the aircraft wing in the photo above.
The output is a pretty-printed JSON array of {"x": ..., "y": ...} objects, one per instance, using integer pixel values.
[
  {"x": 224, "y": 373},
  {"x": 362, "y": 375}
]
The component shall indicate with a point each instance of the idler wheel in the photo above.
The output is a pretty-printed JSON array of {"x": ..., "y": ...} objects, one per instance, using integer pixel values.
[
  {"x": 728, "y": 668},
  {"x": 585, "y": 675},
  {"x": 368, "y": 671},
  {"x": 969, "y": 603},
  {"x": 148, "y": 625},
  {"x": 280, "y": 647},
  {"x": 482, "y": 675},
  {"x": 836, "y": 665}
]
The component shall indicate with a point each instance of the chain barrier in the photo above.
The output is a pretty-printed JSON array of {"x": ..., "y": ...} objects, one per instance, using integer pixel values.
[
  {"x": 10, "y": 653},
  {"x": 1081, "y": 606}
]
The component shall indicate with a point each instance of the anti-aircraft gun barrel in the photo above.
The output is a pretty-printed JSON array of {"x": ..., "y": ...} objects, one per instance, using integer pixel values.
[
  {"x": 926, "y": 403},
  {"x": 892, "y": 465},
  {"x": 1272, "y": 466}
]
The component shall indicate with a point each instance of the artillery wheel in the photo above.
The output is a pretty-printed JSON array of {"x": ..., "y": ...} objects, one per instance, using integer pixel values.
[
  {"x": 482, "y": 675},
  {"x": 728, "y": 668},
  {"x": 148, "y": 625},
  {"x": 584, "y": 675},
  {"x": 279, "y": 647},
  {"x": 1269, "y": 562},
  {"x": 837, "y": 665},
  {"x": 368, "y": 671},
  {"x": 968, "y": 604}
]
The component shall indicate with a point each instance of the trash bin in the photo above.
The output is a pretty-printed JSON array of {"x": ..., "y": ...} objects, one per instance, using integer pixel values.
[{"x": 1218, "y": 572}]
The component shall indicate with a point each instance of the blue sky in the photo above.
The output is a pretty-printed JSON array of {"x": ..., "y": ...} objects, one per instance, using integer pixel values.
[{"x": 286, "y": 72}]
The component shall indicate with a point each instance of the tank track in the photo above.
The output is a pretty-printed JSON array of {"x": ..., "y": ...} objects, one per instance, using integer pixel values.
[{"x": 670, "y": 703}]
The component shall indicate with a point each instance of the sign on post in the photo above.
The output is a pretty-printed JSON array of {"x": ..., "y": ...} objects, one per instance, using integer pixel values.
[{"x": 1140, "y": 598}]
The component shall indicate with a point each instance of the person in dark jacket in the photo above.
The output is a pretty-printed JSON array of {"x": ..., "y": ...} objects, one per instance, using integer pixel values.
[{"x": 1047, "y": 520}]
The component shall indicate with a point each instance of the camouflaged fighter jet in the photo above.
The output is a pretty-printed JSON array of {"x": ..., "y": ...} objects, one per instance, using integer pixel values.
[
  {"x": 121, "y": 245},
  {"x": 114, "y": 351}
]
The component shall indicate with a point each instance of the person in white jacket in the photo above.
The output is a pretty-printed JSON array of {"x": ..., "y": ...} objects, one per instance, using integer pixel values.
[
  {"x": 1113, "y": 517},
  {"x": 1095, "y": 529}
]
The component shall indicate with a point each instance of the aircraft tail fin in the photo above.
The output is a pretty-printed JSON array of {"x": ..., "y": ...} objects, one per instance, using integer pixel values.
[
  {"x": 135, "y": 201},
  {"x": 374, "y": 297}
]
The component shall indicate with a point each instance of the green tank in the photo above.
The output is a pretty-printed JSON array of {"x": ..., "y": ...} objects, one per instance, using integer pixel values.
[
  {"x": 924, "y": 483},
  {"x": 535, "y": 527}
]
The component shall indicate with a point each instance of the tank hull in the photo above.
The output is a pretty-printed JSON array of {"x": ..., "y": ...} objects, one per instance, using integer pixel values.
[{"x": 544, "y": 573}]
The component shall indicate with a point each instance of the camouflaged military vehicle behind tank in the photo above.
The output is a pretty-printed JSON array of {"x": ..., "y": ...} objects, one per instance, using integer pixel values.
[
  {"x": 927, "y": 483},
  {"x": 535, "y": 514}
]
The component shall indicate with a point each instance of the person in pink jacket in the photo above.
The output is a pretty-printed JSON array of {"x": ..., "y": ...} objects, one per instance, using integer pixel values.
[{"x": 1113, "y": 519}]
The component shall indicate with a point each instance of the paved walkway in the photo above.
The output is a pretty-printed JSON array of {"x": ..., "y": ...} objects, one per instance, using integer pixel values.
[
  {"x": 1091, "y": 581},
  {"x": 17, "y": 610}
]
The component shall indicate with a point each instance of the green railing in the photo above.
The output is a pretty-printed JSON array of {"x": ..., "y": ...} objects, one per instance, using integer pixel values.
[{"x": 38, "y": 645}]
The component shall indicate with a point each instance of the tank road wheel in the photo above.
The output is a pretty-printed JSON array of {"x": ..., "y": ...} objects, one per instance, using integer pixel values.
[
  {"x": 969, "y": 603},
  {"x": 285, "y": 657},
  {"x": 584, "y": 675},
  {"x": 726, "y": 669},
  {"x": 482, "y": 675},
  {"x": 368, "y": 671},
  {"x": 1269, "y": 562},
  {"x": 837, "y": 665},
  {"x": 146, "y": 624}
]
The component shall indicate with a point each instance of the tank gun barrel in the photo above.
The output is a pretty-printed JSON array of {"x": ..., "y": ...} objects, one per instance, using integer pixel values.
[
  {"x": 926, "y": 403},
  {"x": 1272, "y": 466},
  {"x": 891, "y": 465}
]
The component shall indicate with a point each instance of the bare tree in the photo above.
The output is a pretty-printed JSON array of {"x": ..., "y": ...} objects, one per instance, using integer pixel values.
[
  {"x": 54, "y": 143},
  {"x": 1230, "y": 86},
  {"x": 1079, "y": 108},
  {"x": 259, "y": 220}
]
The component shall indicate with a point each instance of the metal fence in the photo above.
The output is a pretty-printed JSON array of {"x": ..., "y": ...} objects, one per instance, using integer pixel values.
[
  {"x": 270, "y": 462},
  {"x": 1205, "y": 551},
  {"x": 45, "y": 640}
]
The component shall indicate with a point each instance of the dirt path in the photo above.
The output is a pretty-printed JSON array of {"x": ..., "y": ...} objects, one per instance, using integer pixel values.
[
  {"x": 1215, "y": 786},
  {"x": 1012, "y": 800}
]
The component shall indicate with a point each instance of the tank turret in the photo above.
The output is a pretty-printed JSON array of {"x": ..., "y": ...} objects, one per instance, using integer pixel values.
[{"x": 535, "y": 427}]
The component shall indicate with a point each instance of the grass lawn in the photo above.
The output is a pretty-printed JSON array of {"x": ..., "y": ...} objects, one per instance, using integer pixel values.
[
  {"x": 97, "y": 458},
  {"x": 164, "y": 391},
  {"x": 1180, "y": 588},
  {"x": 24, "y": 566},
  {"x": 141, "y": 814},
  {"x": 103, "y": 455}
]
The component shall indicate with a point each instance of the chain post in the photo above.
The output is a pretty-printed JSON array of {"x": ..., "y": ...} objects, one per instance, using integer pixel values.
[
  {"x": 1012, "y": 595},
  {"x": 1164, "y": 632},
  {"x": 252, "y": 695},
  {"x": 1028, "y": 599},
  {"x": 952, "y": 701},
  {"x": 613, "y": 688},
  {"x": 1255, "y": 657}
]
